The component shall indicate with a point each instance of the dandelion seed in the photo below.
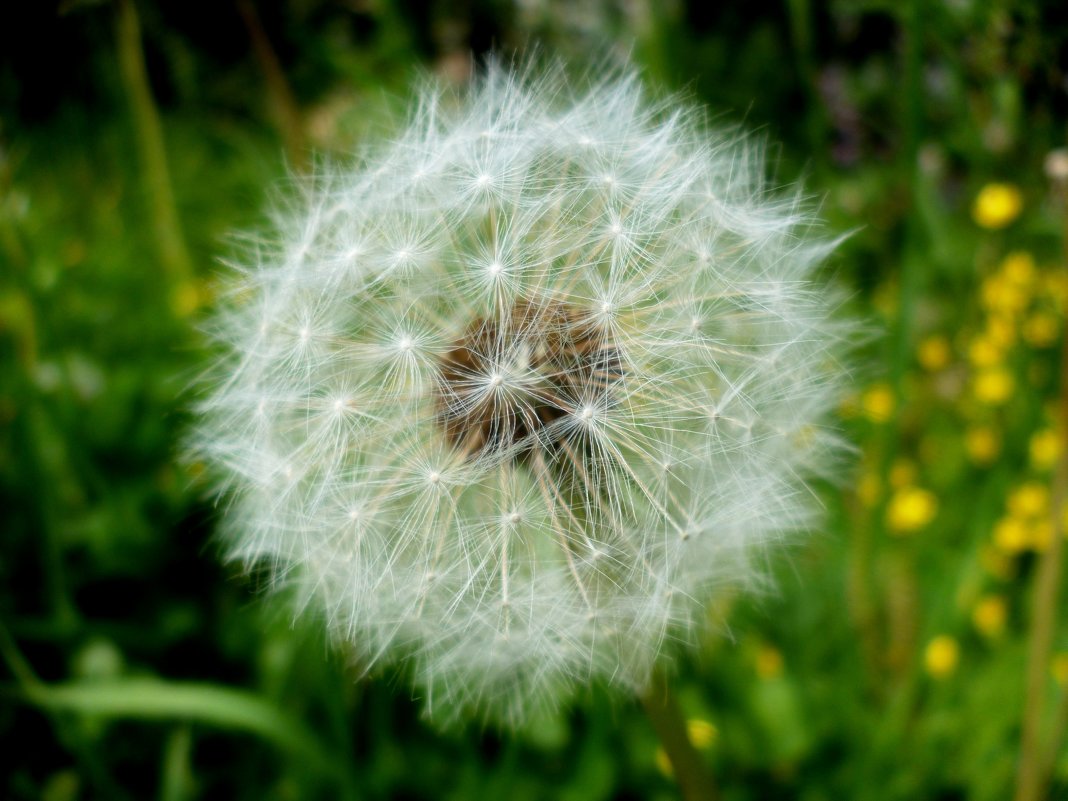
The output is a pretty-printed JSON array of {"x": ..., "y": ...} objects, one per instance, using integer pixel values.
[{"x": 538, "y": 419}]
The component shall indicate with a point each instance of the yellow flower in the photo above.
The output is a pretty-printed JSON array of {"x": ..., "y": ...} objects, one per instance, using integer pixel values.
[
  {"x": 1041, "y": 534},
  {"x": 1059, "y": 668},
  {"x": 1000, "y": 296},
  {"x": 878, "y": 403},
  {"x": 1030, "y": 499},
  {"x": 702, "y": 734},
  {"x": 1045, "y": 447},
  {"x": 934, "y": 352},
  {"x": 869, "y": 489},
  {"x": 1019, "y": 268},
  {"x": 996, "y": 563},
  {"x": 984, "y": 352},
  {"x": 663, "y": 763},
  {"x": 1041, "y": 329},
  {"x": 1012, "y": 535},
  {"x": 768, "y": 662},
  {"x": 941, "y": 656},
  {"x": 1055, "y": 285},
  {"x": 1001, "y": 330},
  {"x": 982, "y": 444},
  {"x": 990, "y": 615},
  {"x": 186, "y": 299},
  {"x": 910, "y": 509},
  {"x": 902, "y": 473},
  {"x": 994, "y": 385},
  {"x": 997, "y": 205}
]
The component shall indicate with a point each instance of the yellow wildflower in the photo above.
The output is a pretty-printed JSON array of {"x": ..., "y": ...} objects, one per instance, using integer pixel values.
[
  {"x": 1019, "y": 268},
  {"x": 1000, "y": 296},
  {"x": 1041, "y": 329},
  {"x": 941, "y": 656},
  {"x": 902, "y": 473},
  {"x": 702, "y": 733},
  {"x": 186, "y": 299},
  {"x": 1055, "y": 285},
  {"x": 997, "y": 205},
  {"x": 869, "y": 489},
  {"x": 878, "y": 403},
  {"x": 1045, "y": 447},
  {"x": 1012, "y": 535},
  {"x": 768, "y": 662},
  {"x": 1001, "y": 330},
  {"x": 1030, "y": 499},
  {"x": 994, "y": 385},
  {"x": 982, "y": 444},
  {"x": 996, "y": 563},
  {"x": 910, "y": 509},
  {"x": 1059, "y": 668},
  {"x": 1041, "y": 533},
  {"x": 984, "y": 352},
  {"x": 663, "y": 763},
  {"x": 990, "y": 615},
  {"x": 934, "y": 353}
]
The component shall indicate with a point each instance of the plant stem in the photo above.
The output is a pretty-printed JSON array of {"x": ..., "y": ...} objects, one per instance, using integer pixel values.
[
  {"x": 1032, "y": 775},
  {"x": 670, "y": 726},
  {"x": 281, "y": 102},
  {"x": 148, "y": 132}
]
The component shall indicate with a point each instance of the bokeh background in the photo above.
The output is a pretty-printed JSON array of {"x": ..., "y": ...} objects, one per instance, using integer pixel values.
[{"x": 915, "y": 648}]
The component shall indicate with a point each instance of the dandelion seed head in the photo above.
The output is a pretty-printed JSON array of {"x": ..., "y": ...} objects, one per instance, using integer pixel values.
[{"x": 513, "y": 396}]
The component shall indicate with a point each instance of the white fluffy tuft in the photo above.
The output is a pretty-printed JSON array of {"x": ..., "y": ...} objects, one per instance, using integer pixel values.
[{"x": 501, "y": 586}]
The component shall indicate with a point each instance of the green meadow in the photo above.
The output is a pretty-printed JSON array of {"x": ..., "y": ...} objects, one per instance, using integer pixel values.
[{"x": 914, "y": 647}]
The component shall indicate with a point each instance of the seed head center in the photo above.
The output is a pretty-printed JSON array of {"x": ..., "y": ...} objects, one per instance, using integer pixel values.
[{"x": 513, "y": 380}]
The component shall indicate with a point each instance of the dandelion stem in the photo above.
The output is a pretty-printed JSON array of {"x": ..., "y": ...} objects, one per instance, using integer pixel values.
[{"x": 670, "y": 726}]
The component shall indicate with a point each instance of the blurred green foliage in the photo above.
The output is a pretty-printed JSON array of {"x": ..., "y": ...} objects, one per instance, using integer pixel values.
[{"x": 890, "y": 663}]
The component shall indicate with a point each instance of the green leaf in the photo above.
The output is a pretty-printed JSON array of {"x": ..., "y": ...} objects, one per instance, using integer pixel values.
[{"x": 155, "y": 699}]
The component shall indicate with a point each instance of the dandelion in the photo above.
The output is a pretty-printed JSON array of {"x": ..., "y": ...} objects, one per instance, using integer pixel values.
[
  {"x": 1044, "y": 448},
  {"x": 869, "y": 488},
  {"x": 511, "y": 398},
  {"x": 940, "y": 657},
  {"x": 934, "y": 353},
  {"x": 983, "y": 352},
  {"x": 982, "y": 444},
  {"x": 994, "y": 386},
  {"x": 878, "y": 403},
  {"x": 997, "y": 205},
  {"x": 902, "y": 473},
  {"x": 1059, "y": 668},
  {"x": 1019, "y": 269},
  {"x": 1029, "y": 500},
  {"x": 1012, "y": 535},
  {"x": 990, "y": 615},
  {"x": 1041, "y": 329},
  {"x": 769, "y": 662},
  {"x": 910, "y": 509},
  {"x": 702, "y": 734}
]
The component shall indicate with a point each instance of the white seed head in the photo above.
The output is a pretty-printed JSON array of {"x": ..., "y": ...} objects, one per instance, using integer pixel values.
[{"x": 528, "y": 430}]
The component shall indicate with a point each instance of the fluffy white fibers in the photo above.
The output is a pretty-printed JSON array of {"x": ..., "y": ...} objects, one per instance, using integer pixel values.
[{"x": 511, "y": 396}]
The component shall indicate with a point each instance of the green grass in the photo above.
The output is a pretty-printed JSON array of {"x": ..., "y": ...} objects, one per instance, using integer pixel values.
[{"x": 136, "y": 666}]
